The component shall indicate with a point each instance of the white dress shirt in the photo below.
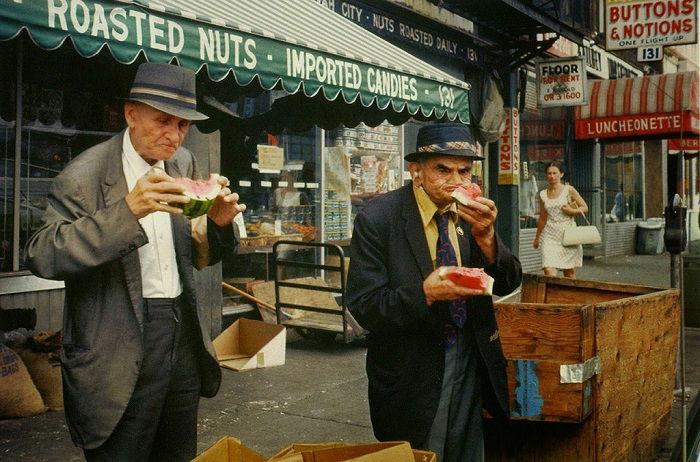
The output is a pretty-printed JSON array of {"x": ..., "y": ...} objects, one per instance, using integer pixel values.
[{"x": 159, "y": 274}]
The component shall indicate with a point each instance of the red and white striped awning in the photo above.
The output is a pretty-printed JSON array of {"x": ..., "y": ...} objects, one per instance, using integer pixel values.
[{"x": 666, "y": 105}]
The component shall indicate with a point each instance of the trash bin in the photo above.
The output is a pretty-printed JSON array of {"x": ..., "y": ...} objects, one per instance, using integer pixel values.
[
  {"x": 650, "y": 237},
  {"x": 691, "y": 290}
]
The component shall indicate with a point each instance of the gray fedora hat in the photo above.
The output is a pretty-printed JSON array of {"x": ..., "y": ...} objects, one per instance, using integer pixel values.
[
  {"x": 168, "y": 88},
  {"x": 449, "y": 139}
]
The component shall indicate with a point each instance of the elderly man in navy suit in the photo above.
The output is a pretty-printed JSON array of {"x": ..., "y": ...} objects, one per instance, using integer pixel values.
[
  {"x": 137, "y": 353},
  {"x": 434, "y": 357}
]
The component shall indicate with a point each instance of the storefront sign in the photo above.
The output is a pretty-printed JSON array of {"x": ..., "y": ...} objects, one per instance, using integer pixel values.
[
  {"x": 384, "y": 24},
  {"x": 270, "y": 157},
  {"x": 542, "y": 130},
  {"x": 544, "y": 152},
  {"x": 595, "y": 59},
  {"x": 691, "y": 144},
  {"x": 621, "y": 70},
  {"x": 634, "y": 125},
  {"x": 640, "y": 23},
  {"x": 509, "y": 149},
  {"x": 561, "y": 82},
  {"x": 648, "y": 54},
  {"x": 161, "y": 33}
]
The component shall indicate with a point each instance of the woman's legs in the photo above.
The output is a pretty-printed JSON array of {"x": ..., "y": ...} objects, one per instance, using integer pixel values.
[
  {"x": 570, "y": 273},
  {"x": 550, "y": 271}
]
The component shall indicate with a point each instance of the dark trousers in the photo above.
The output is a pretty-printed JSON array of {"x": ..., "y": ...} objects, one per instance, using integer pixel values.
[{"x": 160, "y": 421}]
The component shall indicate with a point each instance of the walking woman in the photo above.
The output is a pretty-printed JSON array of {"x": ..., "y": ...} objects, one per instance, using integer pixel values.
[{"x": 559, "y": 204}]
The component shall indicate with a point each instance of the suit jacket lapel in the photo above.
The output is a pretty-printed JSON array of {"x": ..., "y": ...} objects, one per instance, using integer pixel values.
[
  {"x": 415, "y": 233},
  {"x": 464, "y": 247},
  {"x": 114, "y": 189}
]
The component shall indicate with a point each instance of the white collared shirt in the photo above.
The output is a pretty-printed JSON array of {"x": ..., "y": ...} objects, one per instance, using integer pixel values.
[{"x": 159, "y": 274}]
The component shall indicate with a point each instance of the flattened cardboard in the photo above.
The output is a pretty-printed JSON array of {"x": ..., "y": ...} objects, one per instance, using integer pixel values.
[
  {"x": 229, "y": 449},
  {"x": 251, "y": 344},
  {"x": 338, "y": 452}
]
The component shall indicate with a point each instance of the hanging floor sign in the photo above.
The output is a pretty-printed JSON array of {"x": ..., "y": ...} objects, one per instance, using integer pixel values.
[
  {"x": 561, "y": 82},
  {"x": 642, "y": 23}
]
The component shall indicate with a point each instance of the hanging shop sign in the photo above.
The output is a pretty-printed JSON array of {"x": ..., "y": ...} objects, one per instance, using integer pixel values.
[
  {"x": 641, "y": 23},
  {"x": 270, "y": 157},
  {"x": 334, "y": 60},
  {"x": 561, "y": 82},
  {"x": 690, "y": 144},
  {"x": 542, "y": 130},
  {"x": 384, "y": 24},
  {"x": 509, "y": 149}
]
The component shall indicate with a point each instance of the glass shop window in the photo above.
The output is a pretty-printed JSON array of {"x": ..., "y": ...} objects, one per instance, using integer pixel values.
[
  {"x": 64, "y": 112},
  {"x": 624, "y": 163}
]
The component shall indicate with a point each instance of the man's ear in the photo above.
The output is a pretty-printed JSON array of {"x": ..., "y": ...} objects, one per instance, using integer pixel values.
[{"x": 129, "y": 113}]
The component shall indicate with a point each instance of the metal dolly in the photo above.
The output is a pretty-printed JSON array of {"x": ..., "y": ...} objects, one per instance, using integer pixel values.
[{"x": 323, "y": 323}]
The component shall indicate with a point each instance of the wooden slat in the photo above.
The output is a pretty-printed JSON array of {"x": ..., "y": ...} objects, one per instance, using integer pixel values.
[
  {"x": 540, "y": 442},
  {"x": 536, "y": 393},
  {"x": 545, "y": 331},
  {"x": 636, "y": 341}
]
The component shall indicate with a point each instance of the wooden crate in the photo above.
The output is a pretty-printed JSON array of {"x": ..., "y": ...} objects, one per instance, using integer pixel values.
[
  {"x": 539, "y": 338},
  {"x": 632, "y": 329}
]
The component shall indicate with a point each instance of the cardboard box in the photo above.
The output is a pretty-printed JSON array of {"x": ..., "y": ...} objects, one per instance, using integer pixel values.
[
  {"x": 229, "y": 449},
  {"x": 250, "y": 344},
  {"x": 339, "y": 452}
]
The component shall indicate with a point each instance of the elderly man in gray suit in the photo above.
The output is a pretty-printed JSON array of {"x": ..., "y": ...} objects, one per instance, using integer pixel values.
[{"x": 136, "y": 354}]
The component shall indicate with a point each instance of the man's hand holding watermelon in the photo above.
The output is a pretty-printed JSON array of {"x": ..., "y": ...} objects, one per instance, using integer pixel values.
[
  {"x": 159, "y": 192},
  {"x": 437, "y": 287},
  {"x": 480, "y": 213},
  {"x": 226, "y": 205}
]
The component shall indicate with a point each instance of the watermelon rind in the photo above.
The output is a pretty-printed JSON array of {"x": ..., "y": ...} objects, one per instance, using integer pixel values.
[
  {"x": 200, "y": 204},
  {"x": 460, "y": 197}
]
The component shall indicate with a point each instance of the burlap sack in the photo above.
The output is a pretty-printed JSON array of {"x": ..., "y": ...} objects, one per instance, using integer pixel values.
[
  {"x": 45, "y": 371},
  {"x": 18, "y": 394}
]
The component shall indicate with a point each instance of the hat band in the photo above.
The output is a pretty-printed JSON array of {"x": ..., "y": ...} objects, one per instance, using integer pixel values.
[
  {"x": 164, "y": 94},
  {"x": 447, "y": 146}
]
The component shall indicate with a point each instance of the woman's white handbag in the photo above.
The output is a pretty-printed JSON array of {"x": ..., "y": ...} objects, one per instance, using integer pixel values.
[{"x": 576, "y": 235}]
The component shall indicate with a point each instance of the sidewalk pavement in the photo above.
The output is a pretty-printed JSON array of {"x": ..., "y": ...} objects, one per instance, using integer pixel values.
[{"x": 319, "y": 395}]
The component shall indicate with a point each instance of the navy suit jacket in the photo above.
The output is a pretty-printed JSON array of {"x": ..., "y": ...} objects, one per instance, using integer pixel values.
[{"x": 389, "y": 260}]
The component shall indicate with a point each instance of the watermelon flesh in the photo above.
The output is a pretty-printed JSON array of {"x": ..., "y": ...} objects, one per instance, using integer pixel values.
[
  {"x": 472, "y": 278},
  {"x": 202, "y": 194},
  {"x": 465, "y": 195}
]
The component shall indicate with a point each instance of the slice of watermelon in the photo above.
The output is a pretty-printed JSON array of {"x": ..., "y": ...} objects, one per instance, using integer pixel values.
[
  {"x": 202, "y": 194},
  {"x": 464, "y": 195},
  {"x": 473, "y": 278}
]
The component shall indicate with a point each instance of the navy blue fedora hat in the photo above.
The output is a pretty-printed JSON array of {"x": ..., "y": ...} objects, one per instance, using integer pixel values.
[
  {"x": 168, "y": 88},
  {"x": 451, "y": 139}
]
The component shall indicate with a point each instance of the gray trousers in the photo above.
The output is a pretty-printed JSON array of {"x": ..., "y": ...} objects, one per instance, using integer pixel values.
[
  {"x": 160, "y": 421},
  {"x": 457, "y": 431}
]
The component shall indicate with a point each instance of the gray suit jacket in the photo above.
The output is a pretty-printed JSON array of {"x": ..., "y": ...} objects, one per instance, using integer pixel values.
[{"x": 89, "y": 240}]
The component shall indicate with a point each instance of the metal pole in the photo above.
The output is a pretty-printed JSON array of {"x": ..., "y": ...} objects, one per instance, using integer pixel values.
[
  {"x": 16, "y": 197},
  {"x": 681, "y": 350}
]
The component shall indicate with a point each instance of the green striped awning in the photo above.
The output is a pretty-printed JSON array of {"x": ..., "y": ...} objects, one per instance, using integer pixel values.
[{"x": 295, "y": 43}]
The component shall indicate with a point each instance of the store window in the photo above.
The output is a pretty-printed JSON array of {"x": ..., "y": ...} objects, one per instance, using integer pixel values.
[
  {"x": 361, "y": 163},
  {"x": 624, "y": 180},
  {"x": 542, "y": 141},
  {"x": 63, "y": 112}
]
